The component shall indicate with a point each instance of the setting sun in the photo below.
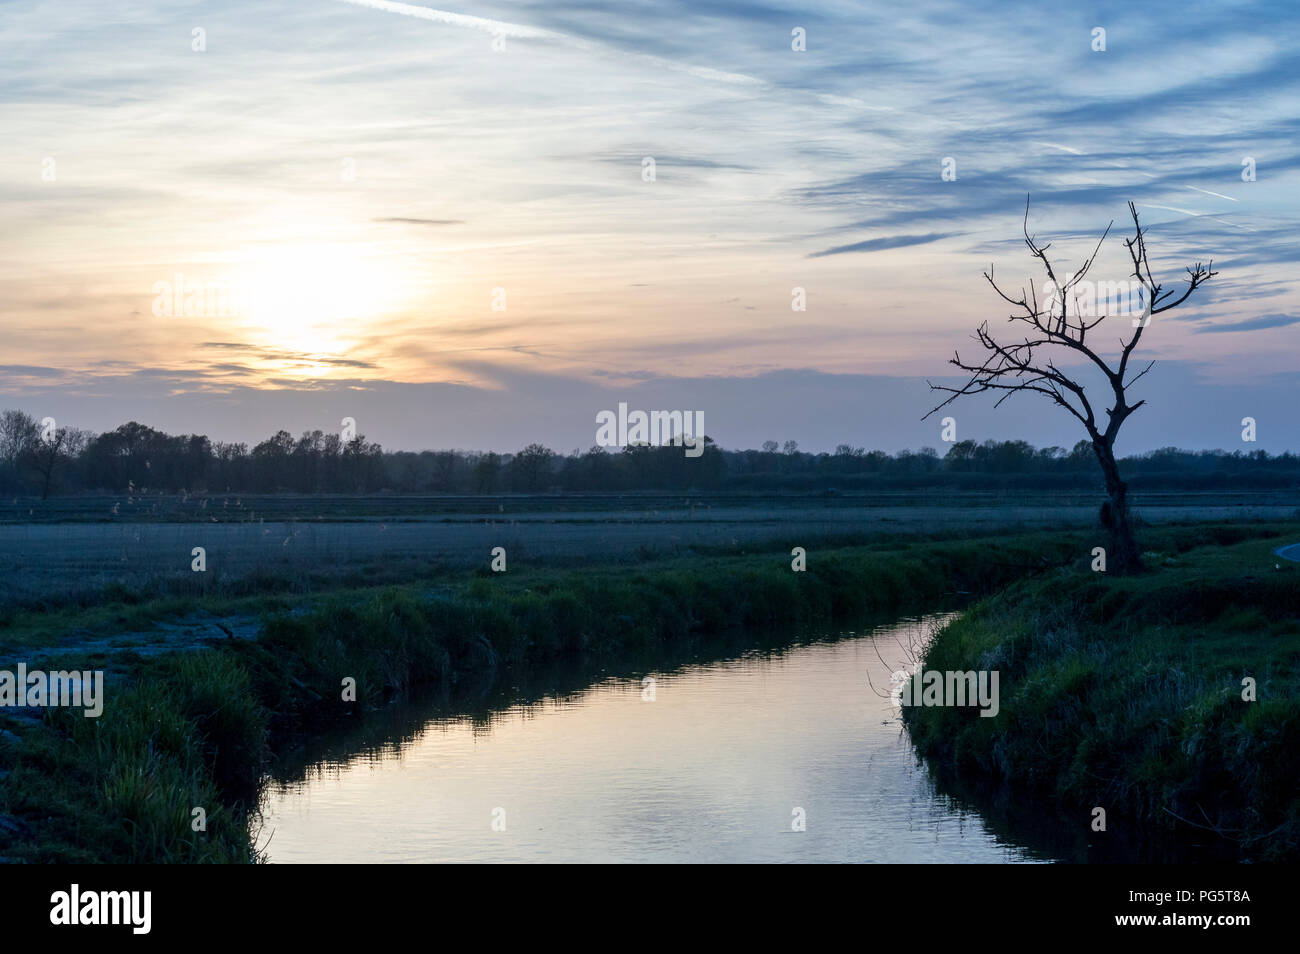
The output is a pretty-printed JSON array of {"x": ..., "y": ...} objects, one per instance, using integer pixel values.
[{"x": 316, "y": 299}]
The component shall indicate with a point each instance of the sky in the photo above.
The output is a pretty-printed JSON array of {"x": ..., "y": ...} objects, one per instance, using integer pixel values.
[{"x": 479, "y": 225}]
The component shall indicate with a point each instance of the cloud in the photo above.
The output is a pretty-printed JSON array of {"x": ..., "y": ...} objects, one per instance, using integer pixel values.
[
  {"x": 407, "y": 221},
  {"x": 495, "y": 27},
  {"x": 31, "y": 371},
  {"x": 285, "y": 355},
  {"x": 521, "y": 31},
  {"x": 692, "y": 162},
  {"x": 1251, "y": 324},
  {"x": 876, "y": 245}
]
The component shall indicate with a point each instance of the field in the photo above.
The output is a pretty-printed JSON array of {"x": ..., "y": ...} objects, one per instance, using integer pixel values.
[{"x": 74, "y": 549}]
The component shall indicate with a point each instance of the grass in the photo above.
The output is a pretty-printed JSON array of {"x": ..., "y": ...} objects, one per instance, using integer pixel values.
[
  {"x": 124, "y": 788},
  {"x": 194, "y": 730},
  {"x": 48, "y": 566},
  {"x": 1127, "y": 693}
]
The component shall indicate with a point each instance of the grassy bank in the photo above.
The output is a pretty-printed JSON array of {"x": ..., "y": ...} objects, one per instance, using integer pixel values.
[
  {"x": 189, "y": 730},
  {"x": 1127, "y": 694},
  {"x": 194, "y": 730}
]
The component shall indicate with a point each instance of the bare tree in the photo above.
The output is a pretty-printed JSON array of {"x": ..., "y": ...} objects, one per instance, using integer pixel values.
[
  {"x": 18, "y": 433},
  {"x": 56, "y": 450},
  {"x": 1027, "y": 363}
]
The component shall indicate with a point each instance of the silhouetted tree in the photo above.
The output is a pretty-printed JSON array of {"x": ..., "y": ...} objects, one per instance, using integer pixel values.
[
  {"x": 530, "y": 469},
  {"x": 19, "y": 434},
  {"x": 1027, "y": 364},
  {"x": 487, "y": 473},
  {"x": 59, "y": 451},
  {"x": 135, "y": 459}
]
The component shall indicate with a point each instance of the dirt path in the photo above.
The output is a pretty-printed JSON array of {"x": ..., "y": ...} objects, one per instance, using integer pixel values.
[{"x": 192, "y": 631}]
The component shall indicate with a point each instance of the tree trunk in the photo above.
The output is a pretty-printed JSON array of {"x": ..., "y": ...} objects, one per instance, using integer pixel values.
[
  {"x": 1115, "y": 516},
  {"x": 47, "y": 474}
]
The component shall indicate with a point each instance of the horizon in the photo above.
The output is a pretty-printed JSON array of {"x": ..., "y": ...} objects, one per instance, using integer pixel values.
[
  {"x": 940, "y": 447},
  {"x": 1184, "y": 411}
]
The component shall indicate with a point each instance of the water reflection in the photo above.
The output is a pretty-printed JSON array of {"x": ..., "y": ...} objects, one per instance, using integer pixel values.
[{"x": 717, "y": 760}]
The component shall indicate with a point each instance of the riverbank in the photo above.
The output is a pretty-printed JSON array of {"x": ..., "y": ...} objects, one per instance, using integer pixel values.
[
  {"x": 1169, "y": 699},
  {"x": 193, "y": 729}
]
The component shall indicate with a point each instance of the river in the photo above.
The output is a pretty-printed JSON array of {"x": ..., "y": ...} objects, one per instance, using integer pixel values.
[{"x": 781, "y": 753}]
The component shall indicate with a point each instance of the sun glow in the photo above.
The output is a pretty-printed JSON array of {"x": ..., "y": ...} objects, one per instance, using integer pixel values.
[{"x": 316, "y": 300}]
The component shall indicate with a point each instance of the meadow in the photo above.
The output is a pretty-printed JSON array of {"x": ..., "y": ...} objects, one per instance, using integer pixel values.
[{"x": 71, "y": 550}]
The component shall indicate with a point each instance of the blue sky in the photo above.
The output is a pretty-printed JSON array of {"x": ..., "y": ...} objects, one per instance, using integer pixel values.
[{"x": 374, "y": 178}]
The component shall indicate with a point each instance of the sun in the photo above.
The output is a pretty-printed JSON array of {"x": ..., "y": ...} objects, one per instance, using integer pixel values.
[{"x": 316, "y": 299}]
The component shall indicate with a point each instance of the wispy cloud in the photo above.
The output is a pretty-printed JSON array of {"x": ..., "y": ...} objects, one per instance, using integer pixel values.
[
  {"x": 887, "y": 242},
  {"x": 521, "y": 31},
  {"x": 494, "y": 27},
  {"x": 1251, "y": 324},
  {"x": 30, "y": 371},
  {"x": 408, "y": 221}
]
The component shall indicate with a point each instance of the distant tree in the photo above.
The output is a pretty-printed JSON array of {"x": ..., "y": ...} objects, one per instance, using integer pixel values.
[
  {"x": 306, "y": 464},
  {"x": 444, "y": 471},
  {"x": 123, "y": 459},
  {"x": 1027, "y": 364},
  {"x": 62, "y": 448},
  {"x": 47, "y": 452},
  {"x": 487, "y": 473},
  {"x": 362, "y": 465},
  {"x": 770, "y": 447},
  {"x": 271, "y": 462},
  {"x": 19, "y": 435},
  {"x": 136, "y": 458},
  {"x": 961, "y": 455},
  {"x": 230, "y": 462},
  {"x": 790, "y": 447},
  {"x": 198, "y": 459},
  {"x": 530, "y": 468}
]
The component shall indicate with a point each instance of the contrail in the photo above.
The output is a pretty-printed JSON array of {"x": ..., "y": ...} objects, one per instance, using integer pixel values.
[
  {"x": 522, "y": 32},
  {"x": 498, "y": 27},
  {"x": 1197, "y": 215},
  {"x": 1128, "y": 167},
  {"x": 1218, "y": 195},
  {"x": 1051, "y": 145}
]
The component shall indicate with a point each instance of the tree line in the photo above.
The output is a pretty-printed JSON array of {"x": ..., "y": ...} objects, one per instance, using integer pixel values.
[{"x": 38, "y": 459}]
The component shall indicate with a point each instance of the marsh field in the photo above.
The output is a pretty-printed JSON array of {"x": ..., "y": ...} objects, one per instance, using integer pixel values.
[
  {"x": 68, "y": 549},
  {"x": 647, "y": 679}
]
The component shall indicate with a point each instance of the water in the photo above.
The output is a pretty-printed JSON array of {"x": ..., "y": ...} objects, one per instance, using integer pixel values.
[{"x": 716, "y": 768}]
